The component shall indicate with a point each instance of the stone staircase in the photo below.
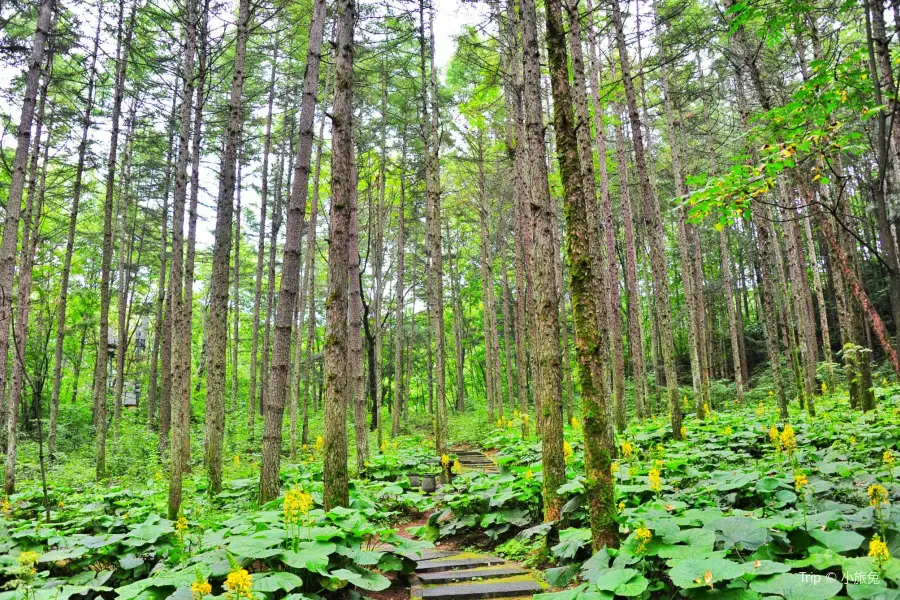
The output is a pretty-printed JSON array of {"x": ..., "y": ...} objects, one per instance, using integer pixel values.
[
  {"x": 452, "y": 575},
  {"x": 475, "y": 459}
]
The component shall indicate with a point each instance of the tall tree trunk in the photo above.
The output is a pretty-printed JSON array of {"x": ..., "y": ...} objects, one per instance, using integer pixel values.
[
  {"x": 176, "y": 409},
  {"x": 310, "y": 271},
  {"x": 261, "y": 252},
  {"x": 546, "y": 350},
  {"x": 654, "y": 228},
  {"x": 70, "y": 239},
  {"x": 217, "y": 322},
  {"x": 160, "y": 322},
  {"x": 123, "y": 47},
  {"x": 236, "y": 290},
  {"x": 589, "y": 312},
  {"x": 270, "y": 279},
  {"x": 31, "y": 217},
  {"x": 435, "y": 284},
  {"x": 290, "y": 273},
  {"x": 399, "y": 379},
  {"x": 357, "y": 392},
  {"x": 343, "y": 188},
  {"x": 10, "y": 241}
]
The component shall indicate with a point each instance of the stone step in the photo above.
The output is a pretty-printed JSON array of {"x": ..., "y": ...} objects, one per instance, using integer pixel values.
[
  {"x": 458, "y": 561},
  {"x": 477, "y": 591},
  {"x": 424, "y": 555},
  {"x": 471, "y": 574}
]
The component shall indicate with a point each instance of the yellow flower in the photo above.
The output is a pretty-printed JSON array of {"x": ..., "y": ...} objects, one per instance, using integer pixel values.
[
  {"x": 632, "y": 470},
  {"x": 525, "y": 418},
  {"x": 320, "y": 444},
  {"x": 684, "y": 400},
  {"x": 384, "y": 446},
  {"x": 182, "y": 525},
  {"x": 643, "y": 536},
  {"x": 6, "y": 507},
  {"x": 878, "y": 550},
  {"x": 237, "y": 460},
  {"x": 655, "y": 481},
  {"x": 200, "y": 589},
  {"x": 515, "y": 414},
  {"x": 877, "y": 495},
  {"x": 728, "y": 431},
  {"x": 775, "y": 438},
  {"x": 445, "y": 460},
  {"x": 529, "y": 474},
  {"x": 852, "y": 440},
  {"x": 824, "y": 388},
  {"x": 888, "y": 459},
  {"x": 771, "y": 393},
  {"x": 238, "y": 584},
  {"x": 59, "y": 504},
  {"x": 395, "y": 445},
  {"x": 621, "y": 506},
  {"x": 760, "y": 410},
  {"x": 614, "y": 468},
  {"x": 297, "y": 504},
  {"x": 788, "y": 440},
  {"x": 627, "y": 449},
  {"x": 28, "y": 558},
  {"x": 800, "y": 481},
  {"x": 509, "y": 424},
  {"x": 567, "y": 451},
  {"x": 500, "y": 423},
  {"x": 683, "y": 432},
  {"x": 575, "y": 423},
  {"x": 884, "y": 383},
  {"x": 457, "y": 466},
  {"x": 158, "y": 476},
  {"x": 706, "y": 410}
]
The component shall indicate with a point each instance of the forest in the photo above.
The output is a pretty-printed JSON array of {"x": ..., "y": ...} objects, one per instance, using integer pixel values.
[{"x": 445, "y": 300}]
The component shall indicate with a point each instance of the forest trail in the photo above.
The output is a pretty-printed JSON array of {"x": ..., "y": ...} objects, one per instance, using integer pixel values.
[{"x": 475, "y": 459}]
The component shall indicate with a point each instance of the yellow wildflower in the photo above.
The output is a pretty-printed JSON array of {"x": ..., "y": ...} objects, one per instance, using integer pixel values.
[
  {"x": 878, "y": 550},
  {"x": 320, "y": 444},
  {"x": 158, "y": 476},
  {"x": 525, "y": 418},
  {"x": 824, "y": 388},
  {"x": 182, "y": 525},
  {"x": 643, "y": 536},
  {"x": 238, "y": 584},
  {"x": 800, "y": 481},
  {"x": 788, "y": 440},
  {"x": 852, "y": 440},
  {"x": 457, "y": 466},
  {"x": 655, "y": 481},
  {"x": 237, "y": 460},
  {"x": 59, "y": 505},
  {"x": 445, "y": 460},
  {"x": 395, "y": 445},
  {"x": 627, "y": 449},
  {"x": 877, "y": 495},
  {"x": 515, "y": 414},
  {"x": 509, "y": 424},
  {"x": 200, "y": 589},
  {"x": 632, "y": 470},
  {"x": 760, "y": 410},
  {"x": 621, "y": 506},
  {"x": 888, "y": 459},
  {"x": 683, "y": 432},
  {"x": 728, "y": 431},
  {"x": 28, "y": 558},
  {"x": 575, "y": 423},
  {"x": 297, "y": 504},
  {"x": 6, "y": 507},
  {"x": 706, "y": 410},
  {"x": 684, "y": 400},
  {"x": 775, "y": 437},
  {"x": 614, "y": 468},
  {"x": 884, "y": 383},
  {"x": 567, "y": 451},
  {"x": 500, "y": 423},
  {"x": 529, "y": 474}
]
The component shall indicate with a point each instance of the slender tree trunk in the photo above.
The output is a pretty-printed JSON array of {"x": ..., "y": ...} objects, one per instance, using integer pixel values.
[
  {"x": 310, "y": 270},
  {"x": 31, "y": 217},
  {"x": 270, "y": 282},
  {"x": 160, "y": 326},
  {"x": 655, "y": 232},
  {"x": 10, "y": 240},
  {"x": 399, "y": 379},
  {"x": 100, "y": 378},
  {"x": 217, "y": 321},
  {"x": 261, "y": 252},
  {"x": 357, "y": 392},
  {"x": 70, "y": 239},
  {"x": 236, "y": 290},
  {"x": 174, "y": 414},
  {"x": 546, "y": 299},
  {"x": 343, "y": 188}
]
